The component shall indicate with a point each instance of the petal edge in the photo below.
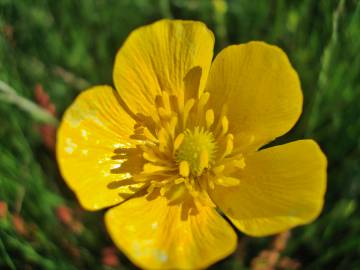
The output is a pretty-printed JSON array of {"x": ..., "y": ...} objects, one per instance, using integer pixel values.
[
  {"x": 157, "y": 57},
  {"x": 280, "y": 187},
  {"x": 156, "y": 237},
  {"x": 89, "y": 133},
  {"x": 261, "y": 90}
]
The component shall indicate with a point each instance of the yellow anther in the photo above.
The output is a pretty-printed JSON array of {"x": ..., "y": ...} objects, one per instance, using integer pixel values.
[
  {"x": 163, "y": 139},
  {"x": 189, "y": 184},
  {"x": 184, "y": 168},
  {"x": 156, "y": 119},
  {"x": 172, "y": 126},
  {"x": 163, "y": 190},
  {"x": 150, "y": 189},
  {"x": 225, "y": 125},
  {"x": 229, "y": 146},
  {"x": 149, "y": 135},
  {"x": 227, "y": 181},
  {"x": 179, "y": 180},
  {"x": 193, "y": 192},
  {"x": 239, "y": 163},
  {"x": 204, "y": 160},
  {"x": 157, "y": 183},
  {"x": 150, "y": 156},
  {"x": 204, "y": 98},
  {"x": 209, "y": 118},
  {"x": 176, "y": 193},
  {"x": 164, "y": 114},
  {"x": 218, "y": 169},
  {"x": 178, "y": 141},
  {"x": 151, "y": 168}
]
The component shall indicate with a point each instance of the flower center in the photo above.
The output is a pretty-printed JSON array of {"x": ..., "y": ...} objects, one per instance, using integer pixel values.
[
  {"x": 183, "y": 149},
  {"x": 197, "y": 149}
]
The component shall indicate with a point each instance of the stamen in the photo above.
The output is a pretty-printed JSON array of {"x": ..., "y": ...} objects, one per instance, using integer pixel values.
[
  {"x": 176, "y": 193},
  {"x": 164, "y": 189},
  {"x": 234, "y": 163},
  {"x": 172, "y": 126},
  {"x": 189, "y": 184},
  {"x": 209, "y": 118},
  {"x": 179, "y": 180},
  {"x": 150, "y": 189},
  {"x": 178, "y": 141},
  {"x": 150, "y": 156},
  {"x": 151, "y": 168},
  {"x": 149, "y": 135},
  {"x": 163, "y": 140},
  {"x": 204, "y": 160},
  {"x": 229, "y": 144},
  {"x": 164, "y": 114},
  {"x": 184, "y": 168},
  {"x": 204, "y": 98},
  {"x": 224, "y": 125},
  {"x": 218, "y": 169},
  {"x": 239, "y": 163},
  {"x": 179, "y": 146},
  {"x": 228, "y": 147},
  {"x": 158, "y": 184},
  {"x": 227, "y": 181}
]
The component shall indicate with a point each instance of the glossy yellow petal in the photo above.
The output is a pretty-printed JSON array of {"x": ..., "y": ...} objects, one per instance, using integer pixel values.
[
  {"x": 280, "y": 187},
  {"x": 90, "y": 131},
  {"x": 260, "y": 89},
  {"x": 163, "y": 56},
  {"x": 155, "y": 235}
]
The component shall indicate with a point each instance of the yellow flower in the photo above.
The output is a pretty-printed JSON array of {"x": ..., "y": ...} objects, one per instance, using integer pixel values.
[{"x": 179, "y": 140}]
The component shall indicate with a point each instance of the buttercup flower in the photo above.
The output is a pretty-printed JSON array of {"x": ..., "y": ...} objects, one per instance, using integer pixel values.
[{"x": 179, "y": 141}]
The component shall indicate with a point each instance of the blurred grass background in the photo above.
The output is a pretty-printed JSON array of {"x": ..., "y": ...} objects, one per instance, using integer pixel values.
[{"x": 65, "y": 46}]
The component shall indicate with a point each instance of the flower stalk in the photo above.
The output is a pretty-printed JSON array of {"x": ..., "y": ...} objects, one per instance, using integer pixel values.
[{"x": 9, "y": 95}]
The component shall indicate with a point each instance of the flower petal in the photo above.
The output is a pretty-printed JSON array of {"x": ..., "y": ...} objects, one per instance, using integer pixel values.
[
  {"x": 156, "y": 235},
  {"x": 260, "y": 89},
  {"x": 280, "y": 187},
  {"x": 91, "y": 129},
  {"x": 158, "y": 57}
]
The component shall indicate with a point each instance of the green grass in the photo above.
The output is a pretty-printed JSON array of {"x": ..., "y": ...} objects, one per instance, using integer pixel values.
[{"x": 68, "y": 45}]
